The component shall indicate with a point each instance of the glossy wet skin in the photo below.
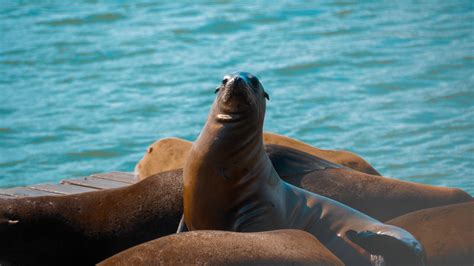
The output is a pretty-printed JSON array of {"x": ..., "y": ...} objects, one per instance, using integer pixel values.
[
  {"x": 231, "y": 184},
  {"x": 232, "y": 133}
]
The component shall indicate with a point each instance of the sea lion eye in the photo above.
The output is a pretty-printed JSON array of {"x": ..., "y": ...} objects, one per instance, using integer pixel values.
[
  {"x": 217, "y": 90},
  {"x": 224, "y": 81},
  {"x": 254, "y": 81}
]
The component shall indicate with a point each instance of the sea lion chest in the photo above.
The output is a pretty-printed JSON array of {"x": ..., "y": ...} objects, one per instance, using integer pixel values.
[{"x": 231, "y": 190}]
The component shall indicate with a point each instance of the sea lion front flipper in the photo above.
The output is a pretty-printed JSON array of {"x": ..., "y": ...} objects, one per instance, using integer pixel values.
[
  {"x": 182, "y": 226},
  {"x": 394, "y": 248}
]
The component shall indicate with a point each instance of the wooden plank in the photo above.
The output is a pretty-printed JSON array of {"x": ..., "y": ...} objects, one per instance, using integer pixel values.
[
  {"x": 63, "y": 189},
  {"x": 5, "y": 196},
  {"x": 124, "y": 177},
  {"x": 25, "y": 192},
  {"x": 92, "y": 182}
]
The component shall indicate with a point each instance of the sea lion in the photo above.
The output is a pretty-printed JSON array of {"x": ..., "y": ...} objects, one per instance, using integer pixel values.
[
  {"x": 163, "y": 155},
  {"x": 86, "y": 228},
  {"x": 230, "y": 184},
  {"x": 170, "y": 153},
  {"x": 380, "y": 197},
  {"x": 282, "y": 247},
  {"x": 447, "y": 233},
  {"x": 345, "y": 158}
]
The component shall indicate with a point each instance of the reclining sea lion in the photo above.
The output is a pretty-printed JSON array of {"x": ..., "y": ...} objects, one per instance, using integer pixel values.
[
  {"x": 86, "y": 228},
  {"x": 282, "y": 247},
  {"x": 380, "y": 197},
  {"x": 170, "y": 153},
  {"x": 447, "y": 233},
  {"x": 345, "y": 158}
]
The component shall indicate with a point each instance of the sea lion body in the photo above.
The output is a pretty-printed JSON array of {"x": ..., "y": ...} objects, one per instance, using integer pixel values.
[
  {"x": 447, "y": 233},
  {"x": 86, "y": 228},
  {"x": 230, "y": 184},
  {"x": 345, "y": 158},
  {"x": 229, "y": 248},
  {"x": 379, "y": 197},
  {"x": 163, "y": 155}
]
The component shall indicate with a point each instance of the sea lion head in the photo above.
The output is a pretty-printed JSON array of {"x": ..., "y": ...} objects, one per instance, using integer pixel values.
[{"x": 240, "y": 96}]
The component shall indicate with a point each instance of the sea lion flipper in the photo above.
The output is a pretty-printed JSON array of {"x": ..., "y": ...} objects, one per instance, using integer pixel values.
[
  {"x": 395, "y": 249},
  {"x": 182, "y": 226}
]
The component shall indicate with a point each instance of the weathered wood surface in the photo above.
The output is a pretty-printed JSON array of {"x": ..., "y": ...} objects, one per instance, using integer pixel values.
[{"x": 93, "y": 182}]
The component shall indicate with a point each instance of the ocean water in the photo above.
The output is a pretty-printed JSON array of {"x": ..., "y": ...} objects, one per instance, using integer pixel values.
[{"x": 86, "y": 86}]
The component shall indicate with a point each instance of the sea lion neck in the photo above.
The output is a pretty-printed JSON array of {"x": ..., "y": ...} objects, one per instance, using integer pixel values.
[
  {"x": 227, "y": 162},
  {"x": 228, "y": 142}
]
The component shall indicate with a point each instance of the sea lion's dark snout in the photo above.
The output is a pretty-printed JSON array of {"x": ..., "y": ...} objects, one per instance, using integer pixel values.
[
  {"x": 236, "y": 92},
  {"x": 240, "y": 92}
]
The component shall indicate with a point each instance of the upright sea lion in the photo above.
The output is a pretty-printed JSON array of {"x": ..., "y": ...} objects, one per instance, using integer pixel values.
[
  {"x": 230, "y": 184},
  {"x": 282, "y": 247},
  {"x": 170, "y": 153},
  {"x": 447, "y": 233},
  {"x": 86, "y": 228},
  {"x": 299, "y": 164},
  {"x": 380, "y": 197}
]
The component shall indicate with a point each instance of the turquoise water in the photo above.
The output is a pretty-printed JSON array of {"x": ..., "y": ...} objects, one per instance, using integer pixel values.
[{"x": 86, "y": 87}]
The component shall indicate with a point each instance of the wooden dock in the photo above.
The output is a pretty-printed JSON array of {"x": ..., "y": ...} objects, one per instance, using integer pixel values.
[{"x": 93, "y": 182}]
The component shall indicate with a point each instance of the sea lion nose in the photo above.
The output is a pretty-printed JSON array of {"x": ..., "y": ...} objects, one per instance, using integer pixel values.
[
  {"x": 236, "y": 82},
  {"x": 235, "y": 90}
]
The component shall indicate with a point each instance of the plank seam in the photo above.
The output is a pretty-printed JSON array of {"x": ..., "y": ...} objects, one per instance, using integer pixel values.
[
  {"x": 80, "y": 185},
  {"x": 47, "y": 190}
]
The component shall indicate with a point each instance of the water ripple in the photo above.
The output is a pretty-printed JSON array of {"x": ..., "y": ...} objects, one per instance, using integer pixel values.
[
  {"x": 91, "y": 19},
  {"x": 86, "y": 87}
]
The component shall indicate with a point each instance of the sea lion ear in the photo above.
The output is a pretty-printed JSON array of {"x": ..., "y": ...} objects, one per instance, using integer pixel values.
[
  {"x": 266, "y": 95},
  {"x": 217, "y": 90}
]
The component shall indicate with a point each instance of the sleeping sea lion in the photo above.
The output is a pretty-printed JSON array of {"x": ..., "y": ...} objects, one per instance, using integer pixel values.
[
  {"x": 83, "y": 229},
  {"x": 282, "y": 247},
  {"x": 345, "y": 158},
  {"x": 163, "y": 155},
  {"x": 447, "y": 233},
  {"x": 231, "y": 184}
]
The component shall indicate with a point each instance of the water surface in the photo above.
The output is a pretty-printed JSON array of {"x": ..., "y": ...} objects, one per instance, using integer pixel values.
[{"x": 86, "y": 87}]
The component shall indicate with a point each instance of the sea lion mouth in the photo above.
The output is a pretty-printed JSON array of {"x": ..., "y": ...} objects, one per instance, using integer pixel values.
[
  {"x": 225, "y": 118},
  {"x": 230, "y": 117}
]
